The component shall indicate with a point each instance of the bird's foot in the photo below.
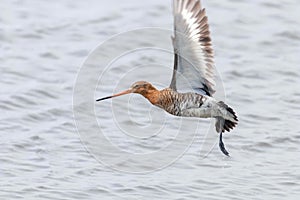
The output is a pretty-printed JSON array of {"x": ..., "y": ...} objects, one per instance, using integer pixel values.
[{"x": 222, "y": 146}]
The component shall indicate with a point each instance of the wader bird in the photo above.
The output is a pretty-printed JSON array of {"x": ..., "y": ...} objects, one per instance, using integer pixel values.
[{"x": 194, "y": 60}]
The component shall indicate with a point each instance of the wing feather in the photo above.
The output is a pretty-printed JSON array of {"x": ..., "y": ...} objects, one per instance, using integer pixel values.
[{"x": 194, "y": 59}]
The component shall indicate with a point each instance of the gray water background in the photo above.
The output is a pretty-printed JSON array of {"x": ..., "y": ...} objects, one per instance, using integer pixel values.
[{"x": 44, "y": 43}]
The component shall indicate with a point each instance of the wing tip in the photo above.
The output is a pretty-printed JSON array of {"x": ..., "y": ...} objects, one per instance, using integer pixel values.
[{"x": 190, "y": 5}]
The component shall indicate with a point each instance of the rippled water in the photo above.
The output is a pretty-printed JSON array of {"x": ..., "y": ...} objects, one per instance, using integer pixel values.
[{"x": 44, "y": 43}]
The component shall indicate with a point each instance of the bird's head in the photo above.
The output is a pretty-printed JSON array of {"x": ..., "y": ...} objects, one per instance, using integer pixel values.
[{"x": 141, "y": 87}]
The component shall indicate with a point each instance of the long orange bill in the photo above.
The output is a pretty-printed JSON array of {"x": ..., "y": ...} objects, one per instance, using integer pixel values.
[{"x": 115, "y": 95}]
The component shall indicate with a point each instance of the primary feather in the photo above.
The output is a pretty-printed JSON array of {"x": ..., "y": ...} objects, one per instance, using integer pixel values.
[{"x": 194, "y": 60}]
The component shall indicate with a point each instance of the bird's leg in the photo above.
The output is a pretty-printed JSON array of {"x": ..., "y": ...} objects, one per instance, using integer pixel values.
[{"x": 222, "y": 146}]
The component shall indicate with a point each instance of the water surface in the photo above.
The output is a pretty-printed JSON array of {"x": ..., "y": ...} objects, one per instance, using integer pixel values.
[{"x": 44, "y": 43}]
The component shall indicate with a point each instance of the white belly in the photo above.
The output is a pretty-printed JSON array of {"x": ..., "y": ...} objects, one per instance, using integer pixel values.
[{"x": 208, "y": 109}]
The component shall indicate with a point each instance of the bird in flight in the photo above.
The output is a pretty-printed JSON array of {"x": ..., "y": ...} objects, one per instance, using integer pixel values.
[{"x": 193, "y": 60}]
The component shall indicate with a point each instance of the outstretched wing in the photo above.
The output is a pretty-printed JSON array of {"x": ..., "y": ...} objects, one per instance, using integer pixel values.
[{"x": 194, "y": 60}]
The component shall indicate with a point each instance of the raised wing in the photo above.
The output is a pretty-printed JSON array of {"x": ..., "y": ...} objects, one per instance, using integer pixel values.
[{"x": 194, "y": 60}]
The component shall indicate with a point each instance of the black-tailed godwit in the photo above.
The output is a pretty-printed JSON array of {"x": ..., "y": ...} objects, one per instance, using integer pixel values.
[{"x": 194, "y": 60}]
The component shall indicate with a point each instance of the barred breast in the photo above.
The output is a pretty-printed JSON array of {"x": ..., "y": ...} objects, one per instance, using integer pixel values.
[{"x": 179, "y": 103}]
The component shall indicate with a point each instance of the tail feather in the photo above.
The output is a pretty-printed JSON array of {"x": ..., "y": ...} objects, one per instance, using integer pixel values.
[
  {"x": 228, "y": 122},
  {"x": 225, "y": 123}
]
